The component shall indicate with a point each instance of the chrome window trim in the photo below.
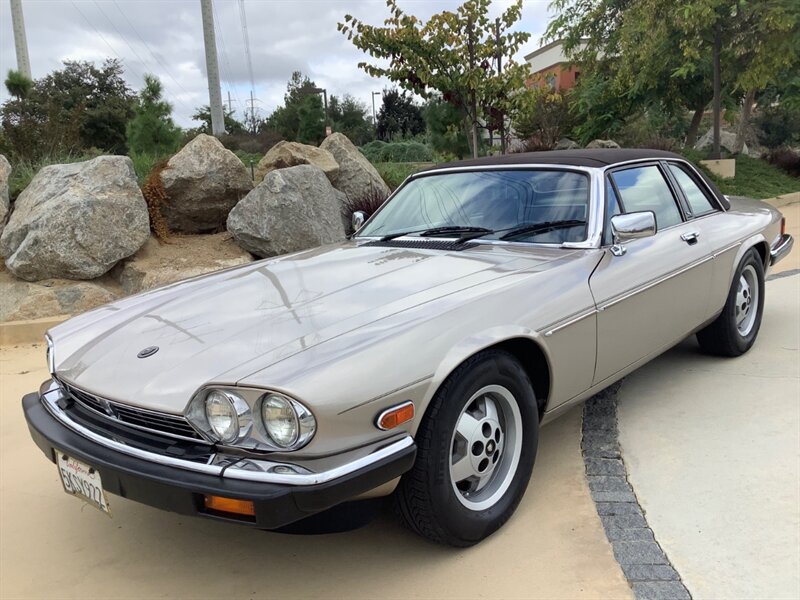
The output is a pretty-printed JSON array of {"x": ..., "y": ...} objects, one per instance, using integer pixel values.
[
  {"x": 594, "y": 228},
  {"x": 49, "y": 398}
]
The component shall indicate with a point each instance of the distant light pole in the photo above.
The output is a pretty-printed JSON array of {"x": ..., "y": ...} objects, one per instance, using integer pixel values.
[
  {"x": 324, "y": 92},
  {"x": 374, "y": 118}
]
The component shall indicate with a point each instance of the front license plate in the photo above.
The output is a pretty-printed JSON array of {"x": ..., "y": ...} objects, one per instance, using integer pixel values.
[{"x": 83, "y": 481}]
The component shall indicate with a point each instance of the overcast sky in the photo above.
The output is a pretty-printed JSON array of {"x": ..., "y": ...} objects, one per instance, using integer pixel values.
[{"x": 165, "y": 37}]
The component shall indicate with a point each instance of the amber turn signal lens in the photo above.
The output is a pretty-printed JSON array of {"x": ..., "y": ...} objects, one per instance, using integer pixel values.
[
  {"x": 395, "y": 416},
  {"x": 231, "y": 505}
]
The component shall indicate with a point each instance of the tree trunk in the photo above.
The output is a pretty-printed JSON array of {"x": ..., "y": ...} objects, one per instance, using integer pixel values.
[
  {"x": 715, "y": 154},
  {"x": 694, "y": 126},
  {"x": 744, "y": 120}
]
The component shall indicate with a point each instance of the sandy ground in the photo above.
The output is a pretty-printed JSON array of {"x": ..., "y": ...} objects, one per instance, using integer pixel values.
[
  {"x": 53, "y": 546},
  {"x": 712, "y": 446}
]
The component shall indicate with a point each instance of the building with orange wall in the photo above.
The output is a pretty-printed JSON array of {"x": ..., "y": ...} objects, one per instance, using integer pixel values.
[{"x": 550, "y": 66}]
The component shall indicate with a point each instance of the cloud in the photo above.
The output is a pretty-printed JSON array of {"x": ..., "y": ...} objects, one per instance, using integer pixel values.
[{"x": 165, "y": 37}]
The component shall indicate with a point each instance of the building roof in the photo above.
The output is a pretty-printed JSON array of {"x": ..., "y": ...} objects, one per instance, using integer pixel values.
[{"x": 595, "y": 157}]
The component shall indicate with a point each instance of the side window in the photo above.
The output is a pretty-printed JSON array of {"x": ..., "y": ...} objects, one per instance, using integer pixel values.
[
  {"x": 612, "y": 208},
  {"x": 697, "y": 199},
  {"x": 644, "y": 188}
]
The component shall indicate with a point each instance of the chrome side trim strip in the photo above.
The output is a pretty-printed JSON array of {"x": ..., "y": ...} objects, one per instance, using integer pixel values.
[
  {"x": 265, "y": 471},
  {"x": 727, "y": 249},
  {"x": 572, "y": 321},
  {"x": 653, "y": 283}
]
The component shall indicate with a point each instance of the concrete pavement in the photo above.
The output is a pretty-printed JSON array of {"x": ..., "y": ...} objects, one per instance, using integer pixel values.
[
  {"x": 712, "y": 448},
  {"x": 54, "y": 546}
]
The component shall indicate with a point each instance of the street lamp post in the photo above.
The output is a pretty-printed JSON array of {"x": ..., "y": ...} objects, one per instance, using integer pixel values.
[
  {"x": 374, "y": 118},
  {"x": 324, "y": 92}
]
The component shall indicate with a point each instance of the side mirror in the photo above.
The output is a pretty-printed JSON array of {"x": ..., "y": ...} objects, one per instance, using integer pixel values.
[
  {"x": 358, "y": 219},
  {"x": 631, "y": 226}
]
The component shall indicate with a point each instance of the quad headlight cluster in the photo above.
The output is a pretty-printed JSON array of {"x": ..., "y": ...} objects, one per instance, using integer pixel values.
[{"x": 251, "y": 418}]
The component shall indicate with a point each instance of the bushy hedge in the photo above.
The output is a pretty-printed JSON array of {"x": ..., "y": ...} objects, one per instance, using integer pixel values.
[{"x": 396, "y": 152}]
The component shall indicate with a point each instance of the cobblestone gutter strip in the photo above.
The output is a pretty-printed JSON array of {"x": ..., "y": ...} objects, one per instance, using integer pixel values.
[{"x": 644, "y": 563}]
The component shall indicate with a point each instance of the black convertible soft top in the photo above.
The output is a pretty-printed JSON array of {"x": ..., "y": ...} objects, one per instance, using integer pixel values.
[{"x": 594, "y": 157}]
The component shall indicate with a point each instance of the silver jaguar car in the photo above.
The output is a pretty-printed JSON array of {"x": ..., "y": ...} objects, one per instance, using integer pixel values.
[{"x": 418, "y": 358}]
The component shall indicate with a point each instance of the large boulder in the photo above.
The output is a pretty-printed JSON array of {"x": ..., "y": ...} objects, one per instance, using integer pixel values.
[
  {"x": 76, "y": 221},
  {"x": 602, "y": 144},
  {"x": 202, "y": 182},
  {"x": 567, "y": 144},
  {"x": 291, "y": 210},
  {"x": 727, "y": 141},
  {"x": 158, "y": 264},
  {"x": 357, "y": 177},
  {"x": 291, "y": 154},
  {"x": 21, "y": 300},
  {"x": 5, "y": 203}
]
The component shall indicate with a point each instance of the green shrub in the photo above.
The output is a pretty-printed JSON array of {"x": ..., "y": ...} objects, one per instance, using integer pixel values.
[
  {"x": 395, "y": 173},
  {"x": 397, "y": 152},
  {"x": 755, "y": 178}
]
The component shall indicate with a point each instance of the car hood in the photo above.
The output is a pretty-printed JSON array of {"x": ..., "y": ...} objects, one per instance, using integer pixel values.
[{"x": 222, "y": 327}]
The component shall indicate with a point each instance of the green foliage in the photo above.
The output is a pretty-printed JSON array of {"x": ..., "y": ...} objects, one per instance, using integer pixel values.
[
  {"x": 399, "y": 115},
  {"x": 18, "y": 85},
  {"x": 542, "y": 117},
  {"x": 202, "y": 114},
  {"x": 311, "y": 116},
  {"x": 445, "y": 136},
  {"x": 396, "y": 152},
  {"x": 285, "y": 120},
  {"x": 755, "y": 178},
  {"x": 395, "y": 173},
  {"x": 779, "y": 120},
  {"x": 143, "y": 162},
  {"x": 151, "y": 131},
  {"x": 79, "y": 107},
  {"x": 450, "y": 54},
  {"x": 349, "y": 116}
]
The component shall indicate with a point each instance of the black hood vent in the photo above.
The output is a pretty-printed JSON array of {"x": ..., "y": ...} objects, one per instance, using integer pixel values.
[{"x": 423, "y": 243}]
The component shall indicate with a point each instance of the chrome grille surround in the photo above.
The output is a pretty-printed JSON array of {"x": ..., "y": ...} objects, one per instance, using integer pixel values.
[{"x": 174, "y": 426}]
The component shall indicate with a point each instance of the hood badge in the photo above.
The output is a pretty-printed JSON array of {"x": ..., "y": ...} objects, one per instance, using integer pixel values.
[{"x": 149, "y": 351}]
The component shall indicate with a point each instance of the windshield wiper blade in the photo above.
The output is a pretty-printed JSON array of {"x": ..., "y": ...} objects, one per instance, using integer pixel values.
[
  {"x": 438, "y": 231},
  {"x": 542, "y": 227}
]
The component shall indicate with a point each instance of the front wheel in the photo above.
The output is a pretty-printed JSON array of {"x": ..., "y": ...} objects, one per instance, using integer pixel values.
[
  {"x": 476, "y": 447},
  {"x": 734, "y": 332}
]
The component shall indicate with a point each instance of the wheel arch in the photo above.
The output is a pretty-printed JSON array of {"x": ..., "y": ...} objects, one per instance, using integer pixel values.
[{"x": 524, "y": 346}]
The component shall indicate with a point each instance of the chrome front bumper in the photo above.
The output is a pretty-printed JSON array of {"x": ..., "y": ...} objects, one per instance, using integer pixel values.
[
  {"x": 308, "y": 473},
  {"x": 780, "y": 248}
]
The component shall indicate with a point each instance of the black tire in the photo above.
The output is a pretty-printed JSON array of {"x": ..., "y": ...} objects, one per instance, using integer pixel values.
[
  {"x": 722, "y": 337},
  {"x": 426, "y": 497}
]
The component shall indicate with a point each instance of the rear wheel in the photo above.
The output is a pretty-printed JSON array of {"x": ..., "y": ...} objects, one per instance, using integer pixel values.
[
  {"x": 475, "y": 451},
  {"x": 735, "y": 330}
]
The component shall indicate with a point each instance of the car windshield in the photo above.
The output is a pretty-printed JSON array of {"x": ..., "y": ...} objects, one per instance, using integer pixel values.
[{"x": 537, "y": 206}]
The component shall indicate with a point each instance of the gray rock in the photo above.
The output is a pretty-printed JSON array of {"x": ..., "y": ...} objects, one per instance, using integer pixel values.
[
  {"x": 727, "y": 141},
  {"x": 602, "y": 144},
  {"x": 157, "y": 264},
  {"x": 203, "y": 182},
  {"x": 5, "y": 204},
  {"x": 76, "y": 221},
  {"x": 567, "y": 144},
  {"x": 291, "y": 210},
  {"x": 22, "y": 300},
  {"x": 291, "y": 154},
  {"x": 357, "y": 177}
]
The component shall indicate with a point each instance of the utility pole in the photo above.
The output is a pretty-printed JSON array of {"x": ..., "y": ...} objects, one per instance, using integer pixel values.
[
  {"x": 20, "y": 41},
  {"x": 230, "y": 105},
  {"x": 214, "y": 91},
  {"x": 374, "y": 118},
  {"x": 499, "y": 51}
]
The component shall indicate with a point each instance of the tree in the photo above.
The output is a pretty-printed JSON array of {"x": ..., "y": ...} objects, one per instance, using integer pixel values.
[
  {"x": 399, "y": 115},
  {"x": 349, "y": 116},
  {"x": 203, "y": 115},
  {"x": 18, "y": 85},
  {"x": 542, "y": 118},
  {"x": 451, "y": 54},
  {"x": 286, "y": 119},
  {"x": 311, "y": 120},
  {"x": 444, "y": 124},
  {"x": 152, "y": 131},
  {"x": 79, "y": 107}
]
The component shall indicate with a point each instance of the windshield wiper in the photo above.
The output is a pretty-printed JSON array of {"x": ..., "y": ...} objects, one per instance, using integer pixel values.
[
  {"x": 542, "y": 227},
  {"x": 439, "y": 231}
]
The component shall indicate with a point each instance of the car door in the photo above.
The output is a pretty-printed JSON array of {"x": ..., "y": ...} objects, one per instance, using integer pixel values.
[{"x": 655, "y": 293}]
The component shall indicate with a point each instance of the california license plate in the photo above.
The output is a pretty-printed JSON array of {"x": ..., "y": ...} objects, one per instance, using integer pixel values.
[{"x": 83, "y": 481}]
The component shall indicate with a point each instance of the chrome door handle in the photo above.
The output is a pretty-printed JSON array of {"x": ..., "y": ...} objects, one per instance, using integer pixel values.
[{"x": 690, "y": 237}]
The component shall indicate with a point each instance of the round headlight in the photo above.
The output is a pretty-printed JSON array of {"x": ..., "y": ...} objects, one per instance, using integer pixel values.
[
  {"x": 280, "y": 420},
  {"x": 221, "y": 416}
]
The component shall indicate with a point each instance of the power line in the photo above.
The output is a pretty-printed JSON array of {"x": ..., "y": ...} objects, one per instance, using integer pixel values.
[
  {"x": 243, "y": 17},
  {"x": 153, "y": 54},
  {"x": 218, "y": 26}
]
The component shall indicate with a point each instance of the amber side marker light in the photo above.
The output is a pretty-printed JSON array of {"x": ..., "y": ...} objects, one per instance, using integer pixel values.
[
  {"x": 396, "y": 415},
  {"x": 230, "y": 505}
]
